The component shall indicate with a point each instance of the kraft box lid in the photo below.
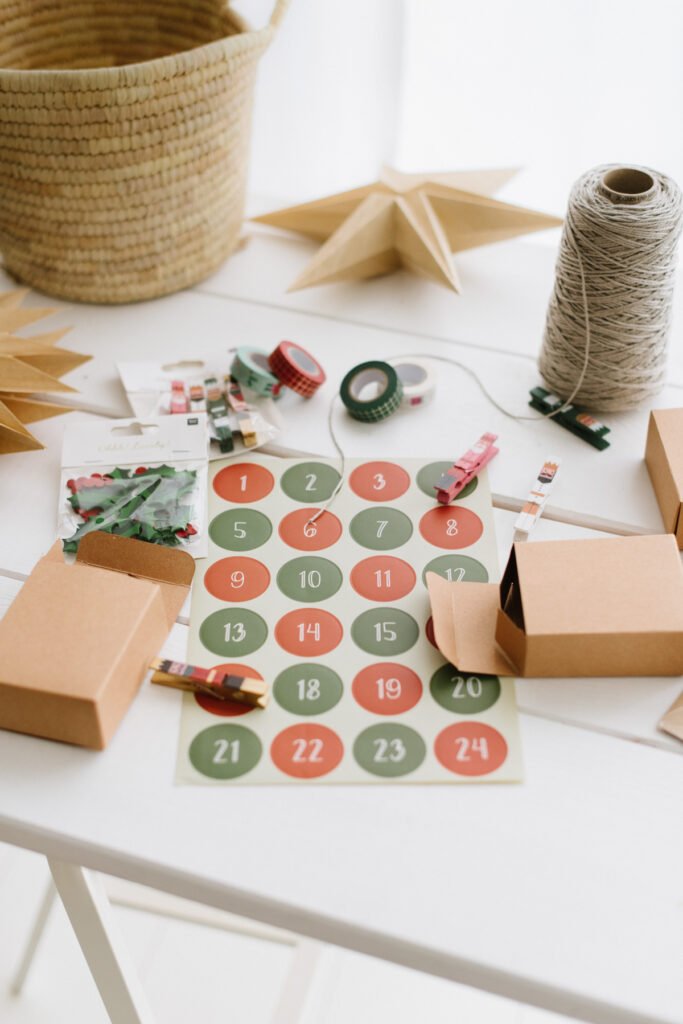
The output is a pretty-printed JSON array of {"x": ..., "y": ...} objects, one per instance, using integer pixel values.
[
  {"x": 606, "y": 607},
  {"x": 76, "y": 642},
  {"x": 664, "y": 459}
]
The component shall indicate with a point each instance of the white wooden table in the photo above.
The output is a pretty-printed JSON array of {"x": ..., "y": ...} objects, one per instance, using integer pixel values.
[{"x": 564, "y": 892}]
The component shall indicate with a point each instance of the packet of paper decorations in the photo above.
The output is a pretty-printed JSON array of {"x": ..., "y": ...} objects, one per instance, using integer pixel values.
[
  {"x": 237, "y": 419},
  {"x": 144, "y": 478}
]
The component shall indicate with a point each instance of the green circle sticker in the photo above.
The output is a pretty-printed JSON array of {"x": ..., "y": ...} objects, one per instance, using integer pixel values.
[
  {"x": 389, "y": 750},
  {"x": 429, "y": 475},
  {"x": 233, "y": 632},
  {"x": 225, "y": 751},
  {"x": 309, "y": 579},
  {"x": 240, "y": 529},
  {"x": 310, "y": 482},
  {"x": 457, "y": 569},
  {"x": 308, "y": 689},
  {"x": 381, "y": 528},
  {"x": 463, "y": 693},
  {"x": 386, "y": 631}
]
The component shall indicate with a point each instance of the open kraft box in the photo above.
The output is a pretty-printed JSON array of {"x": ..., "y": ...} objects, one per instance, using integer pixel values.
[
  {"x": 605, "y": 607},
  {"x": 77, "y": 641}
]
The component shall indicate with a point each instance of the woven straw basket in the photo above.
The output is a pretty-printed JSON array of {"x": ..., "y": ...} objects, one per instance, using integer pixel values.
[{"x": 124, "y": 133}]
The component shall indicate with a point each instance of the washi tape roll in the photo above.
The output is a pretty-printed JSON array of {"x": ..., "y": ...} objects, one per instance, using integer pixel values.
[
  {"x": 296, "y": 368},
  {"x": 417, "y": 378},
  {"x": 371, "y": 391},
  {"x": 250, "y": 368}
]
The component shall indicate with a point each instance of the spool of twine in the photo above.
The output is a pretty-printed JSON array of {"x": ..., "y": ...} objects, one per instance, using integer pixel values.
[{"x": 608, "y": 320}]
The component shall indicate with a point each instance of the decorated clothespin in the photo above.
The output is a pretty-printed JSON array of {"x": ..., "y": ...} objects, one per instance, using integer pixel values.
[
  {"x": 536, "y": 499},
  {"x": 178, "y": 397},
  {"x": 239, "y": 406},
  {"x": 197, "y": 399},
  {"x": 469, "y": 465},
  {"x": 210, "y": 681},
  {"x": 218, "y": 411},
  {"x": 575, "y": 420}
]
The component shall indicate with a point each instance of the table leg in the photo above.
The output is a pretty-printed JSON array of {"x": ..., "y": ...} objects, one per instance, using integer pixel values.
[
  {"x": 34, "y": 938},
  {"x": 297, "y": 984},
  {"x": 89, "y": 911}
]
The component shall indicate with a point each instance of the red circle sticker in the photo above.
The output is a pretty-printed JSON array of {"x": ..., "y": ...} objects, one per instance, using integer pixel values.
[
  {"x": 243, "y": 483},
  {"x": 383, "y": 578},
  {"x": 228, "y": 708},
  {"x": 308, "y": 632},
  {"x": 306, "y": 751},
  {"x": 379, "y": 481},
  {"x": 297, "y": 530},
  {"x": 236, "y": 579},
  {"x": 429, "y": 632},
  {"x": 470, "y": 748},
  {"x": 387, "y": 688},
  {"x": 451, "y": 527}
]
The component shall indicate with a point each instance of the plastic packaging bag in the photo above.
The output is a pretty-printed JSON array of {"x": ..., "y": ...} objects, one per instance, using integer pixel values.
[
  {"x": 142, "y": 479},
  {"x": 179, "y": 386}
]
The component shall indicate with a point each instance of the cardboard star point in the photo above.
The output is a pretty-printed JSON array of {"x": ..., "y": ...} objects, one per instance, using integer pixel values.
[
  {"x": 29, "y": 368},
  {"x": 414, "y": 221}
]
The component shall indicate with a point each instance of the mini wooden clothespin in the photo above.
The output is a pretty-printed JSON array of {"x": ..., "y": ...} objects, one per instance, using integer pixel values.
[
  {"x": 210, "y": 681},
  {"x": 536, "y": 499},
  {"x": 469, "y": 465},
  {"x": 575, "y": 420},
  {"x": 241, "y": 409},
  {"x": 178, "y": 397}
]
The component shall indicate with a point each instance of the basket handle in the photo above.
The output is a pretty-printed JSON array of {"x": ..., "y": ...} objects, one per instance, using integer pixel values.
[{"x": 278, "y": 14}]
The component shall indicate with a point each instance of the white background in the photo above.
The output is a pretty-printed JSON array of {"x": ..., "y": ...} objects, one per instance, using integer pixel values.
[{"x": 553, "y": 86}]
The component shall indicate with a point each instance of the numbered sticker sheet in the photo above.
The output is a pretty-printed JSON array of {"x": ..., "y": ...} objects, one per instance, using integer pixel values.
[{"x": 334, "y": 615}]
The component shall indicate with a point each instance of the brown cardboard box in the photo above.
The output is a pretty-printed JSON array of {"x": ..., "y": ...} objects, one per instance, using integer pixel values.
[
  {"x": 611, "y": 607},
  {"x": 664, "y": 459},
  {"x": 77, "y": 641}
]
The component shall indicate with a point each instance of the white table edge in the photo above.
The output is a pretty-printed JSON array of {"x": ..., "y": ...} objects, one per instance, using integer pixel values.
[{"x": 320, "y": 927}]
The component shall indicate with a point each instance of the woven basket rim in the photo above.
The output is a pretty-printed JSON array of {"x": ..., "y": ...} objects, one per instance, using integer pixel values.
[{"x": 183, "y": 60}]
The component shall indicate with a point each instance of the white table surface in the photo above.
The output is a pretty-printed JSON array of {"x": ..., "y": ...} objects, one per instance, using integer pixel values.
[{"x": 564, "y": 891}]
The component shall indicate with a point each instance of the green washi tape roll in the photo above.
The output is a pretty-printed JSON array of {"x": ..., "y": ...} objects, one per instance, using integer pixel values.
[
  {"x": 250, "y": 368},
  {"x": 371, "y": 391}
]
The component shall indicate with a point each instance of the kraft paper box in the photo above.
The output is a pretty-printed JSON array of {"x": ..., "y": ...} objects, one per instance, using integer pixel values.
[
  {"x": 611, "y": 607},
  {"x": 664, "y": 459},
  {"x": 76, "y": 642}
]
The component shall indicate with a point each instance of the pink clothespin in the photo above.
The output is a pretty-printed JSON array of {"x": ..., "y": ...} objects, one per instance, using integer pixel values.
[
  {"x": 178, "y": 397},
  {"x": 465, "y": 469}
]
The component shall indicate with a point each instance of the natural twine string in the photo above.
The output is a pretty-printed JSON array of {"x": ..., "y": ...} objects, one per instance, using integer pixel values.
[{"x": 609, "y": 315}]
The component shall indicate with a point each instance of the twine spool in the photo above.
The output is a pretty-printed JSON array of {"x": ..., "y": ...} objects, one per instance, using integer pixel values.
[{"x": 609, "y": 315}]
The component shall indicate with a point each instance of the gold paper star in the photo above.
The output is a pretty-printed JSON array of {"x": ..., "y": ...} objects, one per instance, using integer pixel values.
[
  {"x": 406, "y": 220},
  {"x": 29, "y": 365}
]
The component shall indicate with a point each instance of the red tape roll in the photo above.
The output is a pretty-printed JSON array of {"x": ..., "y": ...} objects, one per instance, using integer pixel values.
[{"x": 296, "y": 368}]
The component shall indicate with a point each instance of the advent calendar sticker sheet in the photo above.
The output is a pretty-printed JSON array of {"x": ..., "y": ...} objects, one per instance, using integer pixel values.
[{"x": 334, "y": 615}]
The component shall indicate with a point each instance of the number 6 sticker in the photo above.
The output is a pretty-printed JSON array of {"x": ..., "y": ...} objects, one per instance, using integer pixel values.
[
  {"x": 306, "y": 751},
  {"x": 470, "y": 748}
]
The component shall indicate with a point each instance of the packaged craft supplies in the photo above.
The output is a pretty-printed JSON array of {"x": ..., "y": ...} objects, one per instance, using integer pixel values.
[
  {"x": 237, "y": 418},
  {"x": 141, "y": 478}
]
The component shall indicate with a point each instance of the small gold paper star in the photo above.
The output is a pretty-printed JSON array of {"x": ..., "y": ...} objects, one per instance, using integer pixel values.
[{"x": 406, "y": 220}]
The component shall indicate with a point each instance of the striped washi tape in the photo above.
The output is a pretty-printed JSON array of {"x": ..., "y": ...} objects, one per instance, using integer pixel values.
[
  {"x": 250, "y": 367},
  {"x": 296, "y": 368},
  {"x": 417, "y": 378},
  {"x": 371, "y": 391}
]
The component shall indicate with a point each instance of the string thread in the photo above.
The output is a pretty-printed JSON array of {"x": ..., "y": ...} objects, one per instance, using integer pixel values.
[{"x": 609, "y": 315}]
